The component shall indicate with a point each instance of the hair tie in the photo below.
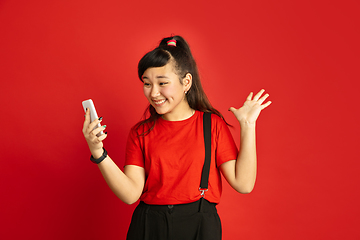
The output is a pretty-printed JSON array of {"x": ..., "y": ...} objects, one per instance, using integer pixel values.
[{"x": 171, "y": 42}]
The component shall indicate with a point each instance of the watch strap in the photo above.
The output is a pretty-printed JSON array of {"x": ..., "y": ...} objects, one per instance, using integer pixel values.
[{"x": 99, "y": 160}]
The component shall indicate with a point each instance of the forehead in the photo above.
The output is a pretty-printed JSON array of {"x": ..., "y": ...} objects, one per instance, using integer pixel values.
[{"x": 167, "y": 70}]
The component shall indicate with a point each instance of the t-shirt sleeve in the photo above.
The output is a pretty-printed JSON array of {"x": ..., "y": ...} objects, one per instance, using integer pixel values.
[
  {"x": 134, "y": 154},
  {"x": 226, "y": 148}
]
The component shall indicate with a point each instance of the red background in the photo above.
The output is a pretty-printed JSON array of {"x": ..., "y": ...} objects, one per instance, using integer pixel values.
[{"x": 54, "y": 54}]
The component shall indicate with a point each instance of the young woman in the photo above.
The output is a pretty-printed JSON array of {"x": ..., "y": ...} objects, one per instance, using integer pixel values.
[{"x": 165, "y": 152}]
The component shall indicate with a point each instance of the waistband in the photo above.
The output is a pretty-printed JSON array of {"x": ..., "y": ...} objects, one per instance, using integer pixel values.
[{"x": 202, "y": 205}]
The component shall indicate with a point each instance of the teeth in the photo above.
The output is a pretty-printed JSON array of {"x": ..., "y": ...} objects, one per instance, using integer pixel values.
[{"x": 159, "y": 102}]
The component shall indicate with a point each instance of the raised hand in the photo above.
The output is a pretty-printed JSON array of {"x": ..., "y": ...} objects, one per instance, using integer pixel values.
[
  {"x": 252, "y": 107},
  {"x": 95, "y": 142}
]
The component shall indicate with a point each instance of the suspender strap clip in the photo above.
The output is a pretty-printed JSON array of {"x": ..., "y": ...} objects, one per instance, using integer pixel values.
[{"x": 202, "y": 191}]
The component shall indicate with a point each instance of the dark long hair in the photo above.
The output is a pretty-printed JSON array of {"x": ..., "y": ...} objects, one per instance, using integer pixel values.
[{"x": 184, "y": 63}]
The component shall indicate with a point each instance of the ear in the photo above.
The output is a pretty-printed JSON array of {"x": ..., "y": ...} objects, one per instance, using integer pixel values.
[{"x": 187, "y": 82}]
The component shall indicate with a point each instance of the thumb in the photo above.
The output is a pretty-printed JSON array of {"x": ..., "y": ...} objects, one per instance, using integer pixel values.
[{"x": 232, "y": 109}]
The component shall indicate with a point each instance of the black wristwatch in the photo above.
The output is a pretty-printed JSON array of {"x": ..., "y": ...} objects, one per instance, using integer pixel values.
[{"x": 99, "y": 160}]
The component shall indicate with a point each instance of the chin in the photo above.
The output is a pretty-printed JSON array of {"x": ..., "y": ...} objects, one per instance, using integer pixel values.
[{"x": 160, "y": 111}]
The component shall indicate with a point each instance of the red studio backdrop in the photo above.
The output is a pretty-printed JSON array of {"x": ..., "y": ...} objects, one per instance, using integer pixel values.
[{"x": 55, "y": 54}]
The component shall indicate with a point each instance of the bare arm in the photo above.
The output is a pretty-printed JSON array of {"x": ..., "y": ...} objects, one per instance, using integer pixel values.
[
  {"x": 127, "y": 185},
  {"x": 241, "y": 173}
]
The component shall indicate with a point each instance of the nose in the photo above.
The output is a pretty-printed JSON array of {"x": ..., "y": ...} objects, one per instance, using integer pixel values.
[{"x": 155, "y": 92}]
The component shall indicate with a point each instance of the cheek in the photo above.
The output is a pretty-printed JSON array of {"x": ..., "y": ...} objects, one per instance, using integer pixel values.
[
  {"x": 146, "y": 92},
  {"x": 171, "y": 91}
]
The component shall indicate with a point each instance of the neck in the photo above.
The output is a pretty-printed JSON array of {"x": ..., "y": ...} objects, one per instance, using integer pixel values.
[{"x": 179, "y": 116}]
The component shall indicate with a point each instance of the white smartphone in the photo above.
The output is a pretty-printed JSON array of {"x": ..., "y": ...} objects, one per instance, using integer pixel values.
[{"x": 93, "y": 115}]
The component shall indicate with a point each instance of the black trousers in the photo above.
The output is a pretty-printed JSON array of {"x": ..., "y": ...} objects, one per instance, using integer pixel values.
[{"x": 194, "y": 221}]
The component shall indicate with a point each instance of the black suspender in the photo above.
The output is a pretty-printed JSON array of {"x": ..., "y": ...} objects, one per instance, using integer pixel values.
[{"x": 206, "y": 168}]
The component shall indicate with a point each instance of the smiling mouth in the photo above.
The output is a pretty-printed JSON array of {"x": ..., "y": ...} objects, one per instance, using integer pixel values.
[{"x": 159, "y": 102}]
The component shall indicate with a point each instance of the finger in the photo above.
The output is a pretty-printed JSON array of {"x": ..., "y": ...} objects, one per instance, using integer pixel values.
[
  {"x": 249, "y": 97},
  {"x": 102, "y": 137},
  {"x": 266, "y": 105},
  {"x": 94, "y": 123},
  {"x": 257, "y": 96},
  {"x": 87, "y": 119},
  {"x": 97, "y": 130},
  {"x": 99, "y": 139},
  {"x": 232, "y": 109},
  {"x": 263, "y": 98}
]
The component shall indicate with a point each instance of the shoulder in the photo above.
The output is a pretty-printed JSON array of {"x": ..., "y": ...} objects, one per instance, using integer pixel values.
[
  {"x": 218, "y": 124},
  {"x": 217, "y": 121},
  {"x": 214, "y": 116},
  {"x": 142, "y": 128},
  {"x": 217, "y": 118}
]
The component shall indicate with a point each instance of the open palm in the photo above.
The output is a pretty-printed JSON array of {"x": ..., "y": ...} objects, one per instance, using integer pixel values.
[{"x": 252, "y": 107}]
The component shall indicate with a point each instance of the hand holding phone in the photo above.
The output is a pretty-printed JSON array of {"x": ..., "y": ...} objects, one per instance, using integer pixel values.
[{"x": 93, "y": 114}]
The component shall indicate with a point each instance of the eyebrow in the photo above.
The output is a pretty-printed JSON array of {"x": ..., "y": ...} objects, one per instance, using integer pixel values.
[
  {"x": 161, "y": 76},
  {"x": 158, "y": 77}
]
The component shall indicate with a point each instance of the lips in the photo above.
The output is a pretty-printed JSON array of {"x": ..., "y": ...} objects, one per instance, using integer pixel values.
[{"x": 159, "y": 102}]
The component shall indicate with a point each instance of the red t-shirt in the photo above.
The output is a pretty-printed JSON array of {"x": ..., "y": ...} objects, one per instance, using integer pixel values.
[{"x": 173, "y": 156}]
